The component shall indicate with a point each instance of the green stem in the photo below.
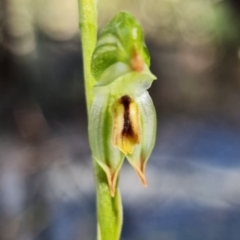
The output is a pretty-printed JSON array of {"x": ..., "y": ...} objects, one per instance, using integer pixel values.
[
  {"x": 109, "y": 209},
  {"x": 88, "y": 28}
]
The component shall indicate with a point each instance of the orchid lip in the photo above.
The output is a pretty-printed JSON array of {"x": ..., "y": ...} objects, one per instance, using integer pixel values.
[{"x": 126, "y": 124}]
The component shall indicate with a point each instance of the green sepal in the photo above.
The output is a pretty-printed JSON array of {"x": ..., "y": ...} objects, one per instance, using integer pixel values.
[
  {"x": 143, "y": 150},
  {"x": 117, "y": 42},
  {"x": 110, "y": 159}
]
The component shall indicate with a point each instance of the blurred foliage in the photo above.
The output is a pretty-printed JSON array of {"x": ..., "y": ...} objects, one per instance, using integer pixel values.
[
  {"x": 169, "y": 21},
  {"x": 165, "y": 21}
]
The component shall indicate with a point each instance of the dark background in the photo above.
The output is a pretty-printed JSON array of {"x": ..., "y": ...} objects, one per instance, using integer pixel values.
[{"x": 46, "y": 179}]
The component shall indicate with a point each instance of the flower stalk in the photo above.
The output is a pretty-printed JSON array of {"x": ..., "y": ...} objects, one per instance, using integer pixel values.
[{"x": 109, "y": 209}]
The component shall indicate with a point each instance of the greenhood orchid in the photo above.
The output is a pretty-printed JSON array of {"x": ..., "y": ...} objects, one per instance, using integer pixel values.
[{"x": 122, "y": 114}]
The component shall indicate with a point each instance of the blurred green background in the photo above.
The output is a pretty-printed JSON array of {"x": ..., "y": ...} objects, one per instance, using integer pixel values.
[{"x": 46, "y": 179}]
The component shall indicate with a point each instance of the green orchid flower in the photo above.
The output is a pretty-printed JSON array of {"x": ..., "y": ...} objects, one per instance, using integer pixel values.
[{"x": 122, "y": 115}]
